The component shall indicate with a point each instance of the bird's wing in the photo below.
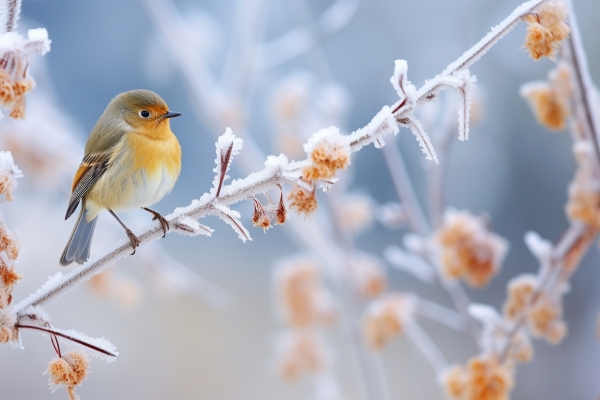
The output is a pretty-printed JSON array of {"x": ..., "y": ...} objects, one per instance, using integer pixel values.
[{"x": 90, "y": 170}]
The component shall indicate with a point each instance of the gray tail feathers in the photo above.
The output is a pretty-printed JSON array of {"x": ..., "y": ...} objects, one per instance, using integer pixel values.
[{"x": 78, "y": 246}]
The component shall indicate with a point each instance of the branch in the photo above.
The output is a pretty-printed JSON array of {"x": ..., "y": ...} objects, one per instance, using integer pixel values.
[{"x": 277, "y": 171}]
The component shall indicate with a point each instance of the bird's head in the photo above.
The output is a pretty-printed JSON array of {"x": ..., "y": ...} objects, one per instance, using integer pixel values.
[{"x": 142, "y": 110}]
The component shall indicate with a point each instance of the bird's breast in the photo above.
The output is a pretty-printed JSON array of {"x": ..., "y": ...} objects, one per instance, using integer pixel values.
[{"x": 142, "y": 171}]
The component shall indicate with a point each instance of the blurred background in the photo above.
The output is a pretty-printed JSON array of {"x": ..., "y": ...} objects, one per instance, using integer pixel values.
[{"x": 178, "y": 340}]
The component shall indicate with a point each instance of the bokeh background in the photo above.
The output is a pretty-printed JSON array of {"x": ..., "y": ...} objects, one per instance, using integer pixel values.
[{"x": 179, "y": 346}]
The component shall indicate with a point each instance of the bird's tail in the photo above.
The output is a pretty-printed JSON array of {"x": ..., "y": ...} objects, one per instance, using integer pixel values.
[{"x": 78, "y": 246}]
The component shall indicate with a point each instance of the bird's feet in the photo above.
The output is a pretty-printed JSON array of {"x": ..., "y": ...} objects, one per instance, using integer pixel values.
[
  {"x": 133, "y": 240},
  {"x": 163, "y": 222}
]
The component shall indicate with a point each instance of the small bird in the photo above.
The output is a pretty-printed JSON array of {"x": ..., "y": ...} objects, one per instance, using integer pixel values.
[{"x": 132, "y": 159}]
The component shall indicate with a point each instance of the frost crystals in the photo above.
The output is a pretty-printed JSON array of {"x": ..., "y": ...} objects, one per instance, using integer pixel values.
[
  {"x": 408, "y": 96},
  {"x": 227, "y": 146}
]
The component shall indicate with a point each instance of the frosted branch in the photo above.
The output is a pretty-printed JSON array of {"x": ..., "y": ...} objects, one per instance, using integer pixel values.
[{"x": 276, "y": 172}]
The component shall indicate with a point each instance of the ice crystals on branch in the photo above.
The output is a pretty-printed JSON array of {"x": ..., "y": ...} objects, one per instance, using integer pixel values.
[
  {"x": 228, "y": 146},
  {"x": 232, "y": 218},
  {"x": 408, "y": 98},
  {"x": 188, "y": 226},
  {"x": 15, "y": 80}
]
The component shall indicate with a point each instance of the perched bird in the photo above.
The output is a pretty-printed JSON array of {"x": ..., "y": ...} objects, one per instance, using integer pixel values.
[{"x": 132, "y": 159}]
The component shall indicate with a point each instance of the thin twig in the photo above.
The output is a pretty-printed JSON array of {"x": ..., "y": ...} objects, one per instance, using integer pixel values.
[{"x": 62, "y": 335}]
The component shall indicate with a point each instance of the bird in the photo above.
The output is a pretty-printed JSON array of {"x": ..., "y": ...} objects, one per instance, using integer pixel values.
[{"x": 131, "y": 159}]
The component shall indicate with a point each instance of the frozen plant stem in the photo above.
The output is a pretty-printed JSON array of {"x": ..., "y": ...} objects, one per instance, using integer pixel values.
[
  {"x": 13, "y": 9},
  {"x": 574, "y": 236},
  {"x": 577, "y": 58}
]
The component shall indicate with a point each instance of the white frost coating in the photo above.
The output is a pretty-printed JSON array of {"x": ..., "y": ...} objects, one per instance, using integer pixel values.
[
  {"x": 529, "y": 88},
  {"x": 101, "y": 343},
  {"x": 486, "y": 315},
  {"x": 381, "y": 124},
  {"x": 409, "y": 263},
  {"x": 523, "y": 280},
  {"x": 496, "y": 33},
  {"x": 188, "y": 226},
  {"x": 7, "y": 164},
  {"x": 540, "y": 248},
  {"x": 330, "y": 137},
  {"x": 417, "y": 129},
  {"x": 404, "y": 88},
  {"x": 38, "y": 41},
  {"x": 464, "y": 111},
  {"x": 5, "y": 13},
  {"x": 224, "y": 143},
  {"x": 231, "y": 217}
]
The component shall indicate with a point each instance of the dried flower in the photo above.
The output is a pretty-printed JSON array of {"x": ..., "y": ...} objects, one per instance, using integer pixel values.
[
  {"x": 547, "y": 28},
  {"x": 543, "y": 313},
  {"x": 584, "y": 194},
  {"x": 9, "y": 173},
  {"x": 303, "y": 200},
  {"x": 260, "y": 218},
  {"x": 545, "y": 319},
  {"x": 301, "y": 352},
  {"x": 468, "y": 249},
  {"x": 550, "y": 100},
  {"x": 386, "y": 318},
  {"x": 482, "y": 379},
  {"x": 15, "y": 81},
  {"x": 8, "y": 331},
  {"x": 69, "y": 370},
  {"x": 303, "y": 298},
  {"x": 519, "y": 289},
  {"x": 329, "y": 152}
]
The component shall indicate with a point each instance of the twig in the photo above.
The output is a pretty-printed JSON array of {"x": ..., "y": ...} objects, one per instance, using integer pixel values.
[{"x": 54, "y": 333}]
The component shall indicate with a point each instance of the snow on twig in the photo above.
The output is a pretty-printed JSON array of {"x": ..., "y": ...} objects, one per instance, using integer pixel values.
[{"x": 277, "y": 171}]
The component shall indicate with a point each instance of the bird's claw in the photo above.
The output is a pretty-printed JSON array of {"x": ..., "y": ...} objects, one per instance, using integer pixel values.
[{"x": 133, "y": 240}]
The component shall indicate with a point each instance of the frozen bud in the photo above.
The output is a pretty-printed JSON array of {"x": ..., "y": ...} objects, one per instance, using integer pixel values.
[
  {"x": 584, "y": 197},
  {"x": 519, "y": 294},
  {"x": 303, "y": 200},
  {"x": 468, "y": 250},
  {"x": 329, "y": 151},
  {"x": 260, "y": 219},
  {"x": 68, "y": 371},
  {"x": 280, "y": 211},
  {"x": 551, "y": 110},
  {"x": 482, "y": 379},
  {"x": 354, "y": 213},
  {"x": 386, "y": 318},
  {"x": 8, "y": 332},
  {"x": 302, "y": 296},
  {"x": 550, "y": 99},
  {"x": 368, "y": 275},
  {"x": 545, "y": 319},
  {"x": 301, "y": 352},
  {"x": 547, "y": 28},
  {"x": 15, "y": 81},
  {"x": 9, "y": 173}
]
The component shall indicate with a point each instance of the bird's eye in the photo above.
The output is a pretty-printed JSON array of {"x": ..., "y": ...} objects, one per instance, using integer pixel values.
[{"x": 144, "y": 113}]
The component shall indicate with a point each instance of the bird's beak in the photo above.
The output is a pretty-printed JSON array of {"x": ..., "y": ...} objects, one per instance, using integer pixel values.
[{"x": 171, "y": 114}]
